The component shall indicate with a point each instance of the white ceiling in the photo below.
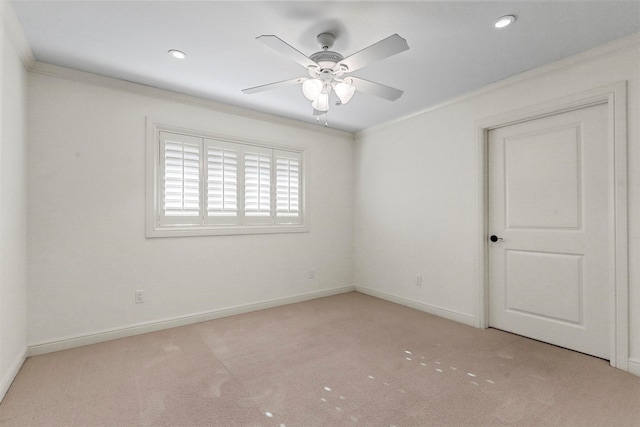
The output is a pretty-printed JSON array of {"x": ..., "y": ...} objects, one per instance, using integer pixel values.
[{"x": 454, "y": 48}]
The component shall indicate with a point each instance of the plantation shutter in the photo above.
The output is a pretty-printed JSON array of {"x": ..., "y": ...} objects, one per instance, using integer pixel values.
[
  {"x": 288, "y": 186},
  {"x": 206, "y": 186},
  {"x": 180, "y": 173},
  {"x": 257, "y": 185},
  {"x": 222, "y": 182}
]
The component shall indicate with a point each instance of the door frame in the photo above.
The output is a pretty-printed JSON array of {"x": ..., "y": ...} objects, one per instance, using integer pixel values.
[{"x": 614, "y": 97}]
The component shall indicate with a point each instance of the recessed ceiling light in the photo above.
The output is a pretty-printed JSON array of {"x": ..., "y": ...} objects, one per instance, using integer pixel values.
[
  {"x": 177, "y": 53},
  {"x": 504, "y": 21}
]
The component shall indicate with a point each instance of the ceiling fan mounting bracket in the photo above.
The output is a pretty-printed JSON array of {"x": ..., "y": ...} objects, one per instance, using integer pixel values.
[{"x": 326, "y": 40}]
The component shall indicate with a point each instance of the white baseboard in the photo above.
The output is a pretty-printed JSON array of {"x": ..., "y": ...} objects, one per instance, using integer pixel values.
[
  {"x": 634, "y": 366},
  {"x": 10, "y": 375},
  {"x": 143, "y": 328},
  {"x": 428, "y": 308}
]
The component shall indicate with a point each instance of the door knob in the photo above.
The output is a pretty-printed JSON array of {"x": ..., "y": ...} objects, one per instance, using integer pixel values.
[{"x": 495, "y": 238}]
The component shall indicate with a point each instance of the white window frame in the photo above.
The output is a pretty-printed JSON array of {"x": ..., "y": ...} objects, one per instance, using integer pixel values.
[{"x": 270, "y": 219}]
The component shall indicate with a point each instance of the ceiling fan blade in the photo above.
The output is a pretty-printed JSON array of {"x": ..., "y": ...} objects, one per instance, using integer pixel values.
[
  {"x": 275, "y": 85},
  {"x": 383, "y": 49},
  {"x": 377, "y": 89},
  {"x": 287, "y": 50}
]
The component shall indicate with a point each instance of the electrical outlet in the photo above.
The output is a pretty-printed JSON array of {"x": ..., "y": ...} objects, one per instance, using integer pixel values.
[
  {"x": 418, "y": 280},
  {"x": 139, "y": 296},
  {"x": 312, "y": 274}
]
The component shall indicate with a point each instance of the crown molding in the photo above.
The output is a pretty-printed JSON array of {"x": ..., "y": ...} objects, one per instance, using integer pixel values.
[
  {"x": 13, "y": 31},
  {"x": 43, "y": 68},
  {"x": 631, "y": 42}
]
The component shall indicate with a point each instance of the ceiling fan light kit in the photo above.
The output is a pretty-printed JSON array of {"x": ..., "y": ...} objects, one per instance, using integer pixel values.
[{"x": 326, "y": 70}]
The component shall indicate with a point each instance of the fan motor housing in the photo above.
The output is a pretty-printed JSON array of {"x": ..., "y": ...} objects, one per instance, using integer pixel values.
[{"x": 326, "y": 58}]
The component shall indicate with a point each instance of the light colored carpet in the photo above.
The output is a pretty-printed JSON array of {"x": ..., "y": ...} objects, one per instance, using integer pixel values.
[{"x": 346, "y": 360}]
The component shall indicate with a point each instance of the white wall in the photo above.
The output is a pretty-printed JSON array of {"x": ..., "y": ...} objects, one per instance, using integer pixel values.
[
  {"x": 13, "y": 206},
  {"x": 86, "y": 190},
  {"x": 417, "y": 191}
]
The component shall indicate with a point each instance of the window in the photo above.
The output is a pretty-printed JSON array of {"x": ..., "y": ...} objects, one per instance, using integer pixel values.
[{"x": 205, "y": 185}]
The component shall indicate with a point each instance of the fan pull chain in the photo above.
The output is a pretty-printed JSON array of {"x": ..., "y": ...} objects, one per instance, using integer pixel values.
[{"x": 326, "y": 121}]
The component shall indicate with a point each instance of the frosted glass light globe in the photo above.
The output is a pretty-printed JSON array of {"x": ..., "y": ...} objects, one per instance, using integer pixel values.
[
  {"x": 322, "y": 102},
  {"x": 311, "y": 89},
  {"x": 345, "y": 91}
]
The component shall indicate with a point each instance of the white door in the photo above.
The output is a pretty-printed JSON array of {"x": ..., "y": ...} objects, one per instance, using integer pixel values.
[{"x": 549, "y": 198}]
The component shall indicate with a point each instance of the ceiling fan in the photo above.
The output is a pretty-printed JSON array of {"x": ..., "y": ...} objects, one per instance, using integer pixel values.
[{"x": 328, "y": 70}]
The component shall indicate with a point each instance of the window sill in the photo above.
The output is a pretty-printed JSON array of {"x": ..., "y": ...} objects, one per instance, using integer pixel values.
[{"x": 190, "y": 231}]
